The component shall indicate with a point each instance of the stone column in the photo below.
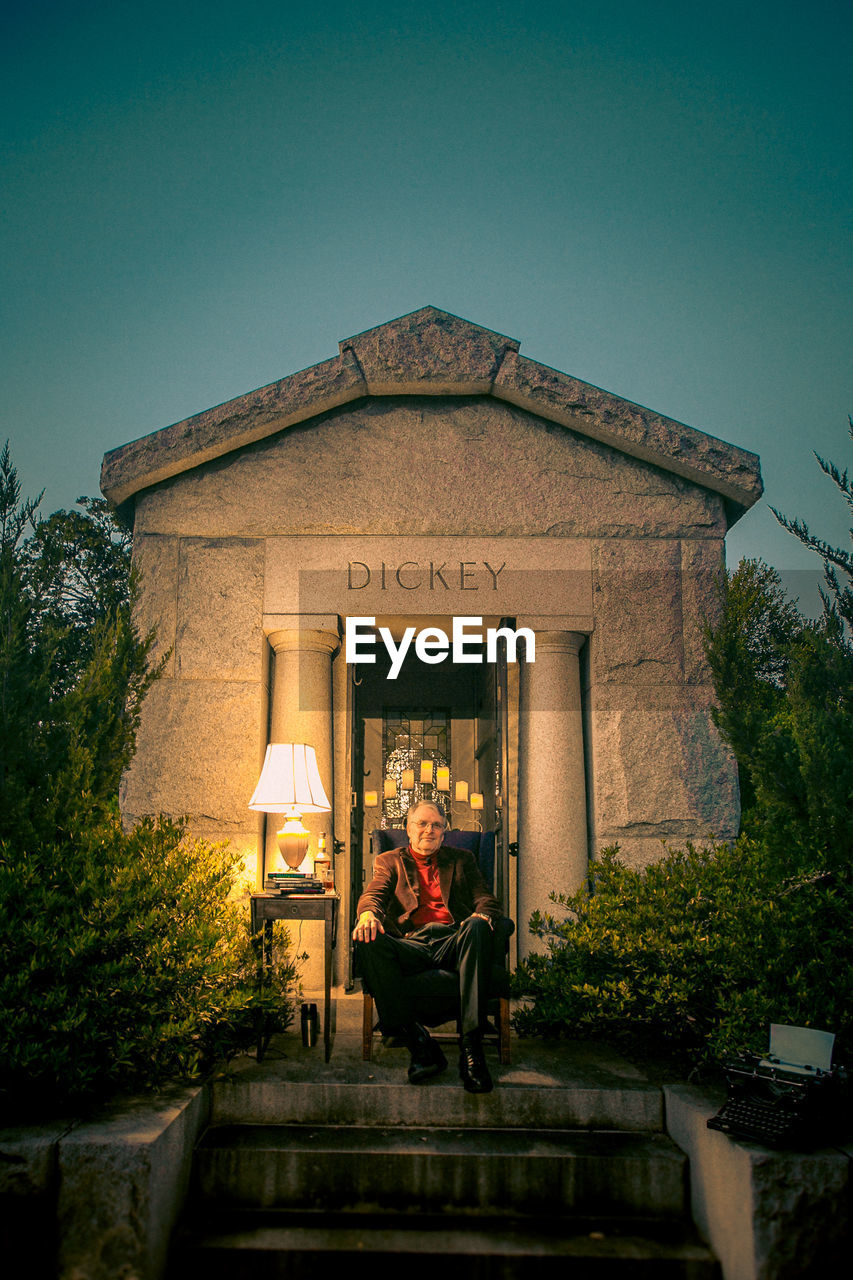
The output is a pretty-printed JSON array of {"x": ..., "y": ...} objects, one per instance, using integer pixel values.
[
  {"x": 552, "y": 823},
  {"x": 301, "y": 711}
]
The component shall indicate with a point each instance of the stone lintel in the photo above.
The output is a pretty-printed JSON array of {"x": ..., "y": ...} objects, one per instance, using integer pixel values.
[{"x": 383, "y": 576}]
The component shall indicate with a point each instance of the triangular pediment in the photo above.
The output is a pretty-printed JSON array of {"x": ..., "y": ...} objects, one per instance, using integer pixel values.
[
  {"x": 431, "y": 352},
  {"x": 429, "y": 349}
]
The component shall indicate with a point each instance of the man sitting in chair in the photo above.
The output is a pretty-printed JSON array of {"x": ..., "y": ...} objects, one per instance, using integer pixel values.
[{"x": 428, "y": 907}]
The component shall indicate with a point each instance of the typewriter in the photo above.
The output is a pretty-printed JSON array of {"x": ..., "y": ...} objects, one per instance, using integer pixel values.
[{"x": 791, "y": 1096}]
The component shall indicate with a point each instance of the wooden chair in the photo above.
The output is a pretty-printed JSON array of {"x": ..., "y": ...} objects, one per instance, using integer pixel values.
[{"x": 434, "y": 994}]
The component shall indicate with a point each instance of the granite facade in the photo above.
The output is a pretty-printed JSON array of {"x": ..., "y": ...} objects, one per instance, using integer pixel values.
[{"x": 432, "y": 443}]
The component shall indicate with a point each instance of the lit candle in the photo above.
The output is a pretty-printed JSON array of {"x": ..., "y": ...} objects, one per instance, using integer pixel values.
[
  {"x": 462, "y": 793},
  {"x": 442, "y": 778},
  {"x": 426, "y": 771},
  {"x": 389, "y": 789},
  {"x": 476, "y": 800},
  {"x": 371, "y": 799},
  {"x": 408, "y": 781}
]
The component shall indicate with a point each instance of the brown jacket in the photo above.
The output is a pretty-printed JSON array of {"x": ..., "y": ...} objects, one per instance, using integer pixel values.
[{"x": 392, "y": 894}]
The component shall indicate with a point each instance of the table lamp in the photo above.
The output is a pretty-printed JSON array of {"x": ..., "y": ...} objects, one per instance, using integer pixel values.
[{"x": 290, "y": 784}]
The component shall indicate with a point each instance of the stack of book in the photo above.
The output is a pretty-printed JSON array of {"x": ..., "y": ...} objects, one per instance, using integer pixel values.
[{"x": 292, "y": 882}]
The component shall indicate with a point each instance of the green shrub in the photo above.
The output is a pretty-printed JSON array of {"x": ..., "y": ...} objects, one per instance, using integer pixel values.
[
  {"x": 125, "y": 961},
  {"x": 696, "y": 954}
]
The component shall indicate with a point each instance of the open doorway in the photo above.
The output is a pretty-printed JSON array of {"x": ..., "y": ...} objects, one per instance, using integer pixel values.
[{"x": 436, "y": 732}]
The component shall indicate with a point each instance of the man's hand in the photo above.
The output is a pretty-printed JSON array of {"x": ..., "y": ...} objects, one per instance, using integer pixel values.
[{"x": 367, "y": 927}]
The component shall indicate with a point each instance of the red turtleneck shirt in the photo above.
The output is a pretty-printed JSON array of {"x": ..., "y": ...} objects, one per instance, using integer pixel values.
[{"x": 430, "y": 902}]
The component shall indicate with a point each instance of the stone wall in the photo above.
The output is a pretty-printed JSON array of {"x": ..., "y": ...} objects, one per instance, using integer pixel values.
[
  {"x": 657, "y": 768},
  {"x": 430, "y": 465},
  {"x": 204, "y": 724}
]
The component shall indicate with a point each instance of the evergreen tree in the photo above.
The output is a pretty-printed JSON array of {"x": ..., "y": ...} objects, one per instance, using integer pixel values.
[
  {"x": 79, "y": 572},
  {"x": 25, "y": 658},
  {"x": 749, "y": 653},
  {"x": 73, "y": 671},
  {"x": 784, "y": 688},
  {"x": 838, "y": 597}
]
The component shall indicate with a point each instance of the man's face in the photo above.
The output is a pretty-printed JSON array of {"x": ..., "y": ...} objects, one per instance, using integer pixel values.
[{"x": 425, "y": 829}]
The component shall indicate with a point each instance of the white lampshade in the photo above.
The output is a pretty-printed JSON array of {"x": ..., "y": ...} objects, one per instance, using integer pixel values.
[
  {"x": 290, "y": 780},
  {"x": 476, "y": 800},
  {"x": 290, "y": 784}
]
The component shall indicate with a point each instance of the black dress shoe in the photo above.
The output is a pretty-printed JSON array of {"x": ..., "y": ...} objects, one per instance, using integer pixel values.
[
  {"x": 427, "y": 1058},
  {"x": 472, "y": 1065}
]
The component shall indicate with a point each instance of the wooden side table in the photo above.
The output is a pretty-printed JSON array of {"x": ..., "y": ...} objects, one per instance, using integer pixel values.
[{"x": 267, "y": 907}]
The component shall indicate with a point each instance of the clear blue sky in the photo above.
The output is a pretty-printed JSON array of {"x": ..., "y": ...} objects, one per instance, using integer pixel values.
[{"x": 201, "y": 196}]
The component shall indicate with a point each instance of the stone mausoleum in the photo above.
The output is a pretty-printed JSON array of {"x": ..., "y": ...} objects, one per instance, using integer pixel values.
[{"x": 430, "y": 472}]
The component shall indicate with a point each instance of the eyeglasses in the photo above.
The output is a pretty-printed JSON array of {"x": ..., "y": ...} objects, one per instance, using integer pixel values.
[{"x": 431, "y": 826}]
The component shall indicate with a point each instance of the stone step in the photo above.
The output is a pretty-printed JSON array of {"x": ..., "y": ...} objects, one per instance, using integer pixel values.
[
  {"x": 564, "y": 1084},
  {"x": 371, "y": 1094},
  {"x": 236, "y": 1245},
  {"x": 441, "y": 1169}
]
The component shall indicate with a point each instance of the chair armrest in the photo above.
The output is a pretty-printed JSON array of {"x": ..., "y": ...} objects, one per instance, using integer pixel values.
[{"x": 504, "y": 929}]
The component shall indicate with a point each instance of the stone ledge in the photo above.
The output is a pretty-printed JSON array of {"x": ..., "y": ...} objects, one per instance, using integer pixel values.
[
  {"x": 123, "y": 1181},
  {"x": 103, "y": 1195},
  {"x": 28, "y": 1159},
  {"x": 29, "y": 1181},
  {"x": 768, "y": 1215}
]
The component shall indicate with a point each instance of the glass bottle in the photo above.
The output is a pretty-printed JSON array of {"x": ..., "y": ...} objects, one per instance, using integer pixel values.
[{"x": 323, "y": 864}]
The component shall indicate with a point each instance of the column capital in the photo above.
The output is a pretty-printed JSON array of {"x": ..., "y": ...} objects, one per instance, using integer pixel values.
[
  {"x": 304, "y": 640},
  {"x": 559, "y": 641}
]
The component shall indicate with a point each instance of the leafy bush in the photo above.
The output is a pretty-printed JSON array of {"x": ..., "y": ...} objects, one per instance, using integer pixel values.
[
  {"x": 124, "y": 961},
  {"x": 700, "y": 952},
  {"x": 695, "y": 954}
]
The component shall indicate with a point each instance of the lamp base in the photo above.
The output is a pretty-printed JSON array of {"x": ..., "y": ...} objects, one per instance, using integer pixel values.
[{"x": 293, "y": 842}]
